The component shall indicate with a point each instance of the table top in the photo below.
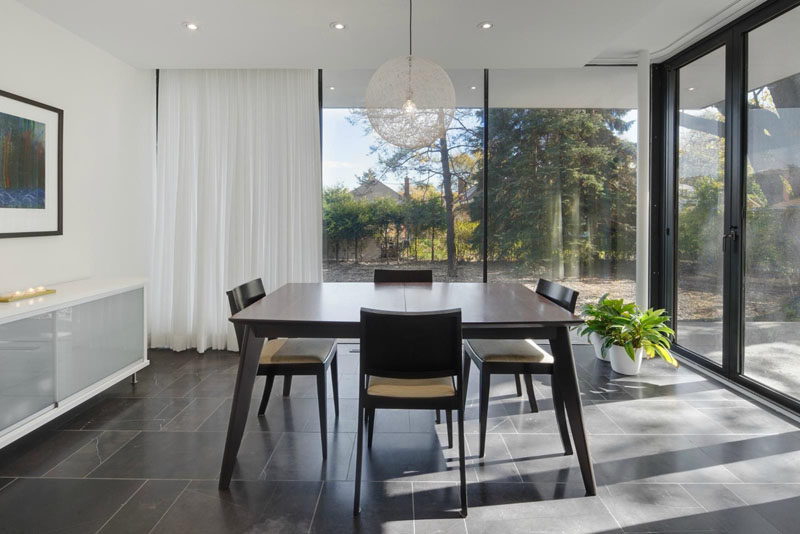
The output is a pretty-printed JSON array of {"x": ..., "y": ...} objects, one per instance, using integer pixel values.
[{"x": 341, "y": 302}]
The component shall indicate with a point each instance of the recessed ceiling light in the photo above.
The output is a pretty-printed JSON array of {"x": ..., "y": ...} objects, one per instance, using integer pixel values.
[
  {"x": 691, "y": 88},
  {"x": 473, "y": 87},
  {"x": 331, "y": 88},
  {"x": 337, "y": 26},
  {"x": 191, "y": 26},
  {"x": 485, "y": 25}
]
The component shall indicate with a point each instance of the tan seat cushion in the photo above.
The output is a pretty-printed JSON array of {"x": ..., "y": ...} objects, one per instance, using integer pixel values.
[
  {"x": 411, "y": 387},
  {"x": 510, "y": 350},
  {"x": 295, "y": 350}
]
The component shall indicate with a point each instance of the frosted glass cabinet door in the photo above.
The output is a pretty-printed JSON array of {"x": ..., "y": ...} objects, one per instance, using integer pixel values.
[
  {"x": 97, "y": 339},
  {"x": 27, "y": 368}
]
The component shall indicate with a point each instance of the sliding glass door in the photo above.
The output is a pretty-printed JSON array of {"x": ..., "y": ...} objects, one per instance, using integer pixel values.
[
  {"x": 700, "y": 180},
  {"x": 772, "y": 208},
  {"x": 729, "y": 238}
]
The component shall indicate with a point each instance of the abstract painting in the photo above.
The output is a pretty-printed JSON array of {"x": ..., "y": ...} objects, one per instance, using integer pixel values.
[
  {"x": 30, "y": 167},
  {"x": 22, "y": 144}
]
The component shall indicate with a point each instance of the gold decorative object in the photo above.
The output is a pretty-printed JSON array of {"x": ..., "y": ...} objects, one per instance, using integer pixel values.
[{"x": 26, "y": 294}]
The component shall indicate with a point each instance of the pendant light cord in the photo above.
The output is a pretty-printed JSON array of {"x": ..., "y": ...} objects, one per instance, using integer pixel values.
[{"x": 410, "y": 11}]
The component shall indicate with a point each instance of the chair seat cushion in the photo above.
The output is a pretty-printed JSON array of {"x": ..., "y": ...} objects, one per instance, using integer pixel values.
[
  {"x": 510, "y": 350},
  {"x": 411, "y": 387},
  {"x": 295, "y": 350}
]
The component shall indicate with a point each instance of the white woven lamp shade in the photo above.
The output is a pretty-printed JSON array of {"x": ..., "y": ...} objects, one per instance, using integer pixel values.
[{"x": 410, "y": 102}]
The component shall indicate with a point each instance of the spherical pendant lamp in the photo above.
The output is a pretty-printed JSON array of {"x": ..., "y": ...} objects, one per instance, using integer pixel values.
[{"x": 410, "y": 100}]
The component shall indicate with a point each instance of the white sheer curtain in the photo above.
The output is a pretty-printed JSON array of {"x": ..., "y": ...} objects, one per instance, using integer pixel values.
[{"x": 237, "y": 196}]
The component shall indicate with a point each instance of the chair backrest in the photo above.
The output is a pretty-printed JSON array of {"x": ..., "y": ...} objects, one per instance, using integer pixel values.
[
  {"x": 406, "y": 275},
  {"x": 243, "y": 296},
  {"x": 410, "y": 344},
  {"x": 561, "y": 295}
]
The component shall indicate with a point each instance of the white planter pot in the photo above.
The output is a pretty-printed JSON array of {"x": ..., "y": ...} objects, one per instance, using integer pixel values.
[
  {"x": 622, "y": 363},
  {"x": 597, "y": 344}
]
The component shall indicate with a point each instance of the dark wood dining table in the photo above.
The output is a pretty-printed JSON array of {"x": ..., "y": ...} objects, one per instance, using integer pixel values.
[{"x": 328, "y": 309}]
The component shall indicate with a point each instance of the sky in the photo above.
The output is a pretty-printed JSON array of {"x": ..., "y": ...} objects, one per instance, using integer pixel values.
[{"x": 345, "y": 149}]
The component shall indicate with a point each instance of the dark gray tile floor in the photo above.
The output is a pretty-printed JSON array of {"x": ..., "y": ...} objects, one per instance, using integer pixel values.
[{"x": 673, "y": 452}]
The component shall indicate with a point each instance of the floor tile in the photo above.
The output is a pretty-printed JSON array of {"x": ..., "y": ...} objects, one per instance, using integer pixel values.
[
  {"x": 252, "y": 507},
  {"x": 386, "y": 507},
  {"x": 145, "y": 508},
  {"x": 185, "y": 455},
  {"x": 656, "y": 508},
  {"x": 62, "y": 505},
  {"x": 514, "y": 507},
  {"x": 90, "y": 456},
  {"x": 409, "y": 457},
  {"x": 36, "y": 454},
  {"x": 437, "y": 508},
  {"x": 778, "y": 503},
  {"x": 298, "y": 456}
]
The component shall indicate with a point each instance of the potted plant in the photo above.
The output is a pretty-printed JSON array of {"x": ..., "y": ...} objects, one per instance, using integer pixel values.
[
  {"x": 633, "y": 335},
  {"x": 599, "y": 317}
]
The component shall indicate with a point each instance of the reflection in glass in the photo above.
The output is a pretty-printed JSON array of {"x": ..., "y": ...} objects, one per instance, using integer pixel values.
[
  {"x": 701, "y": 178},
  {"x": 772, "y": 225}
]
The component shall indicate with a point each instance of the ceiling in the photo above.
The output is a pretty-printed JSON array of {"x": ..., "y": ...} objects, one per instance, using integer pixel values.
[{"x": 296, "y": 33}]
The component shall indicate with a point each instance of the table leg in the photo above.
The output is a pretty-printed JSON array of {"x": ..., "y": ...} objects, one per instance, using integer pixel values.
[
  {"x": 245, "y": 378},
  {"x": 567, "y": 380}
]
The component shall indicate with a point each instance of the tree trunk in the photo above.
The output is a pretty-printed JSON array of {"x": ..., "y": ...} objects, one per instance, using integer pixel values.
[
  {"x": 386, "y": 243},
  {"x": 355, "y": 244},
  {"x": 556, "y": 233},
  {"x": 447, "y": 185},
  {"x": 433, "y": 240},
  {"x": 572, "y": 267},
  {"x": 397, "y": 244}
]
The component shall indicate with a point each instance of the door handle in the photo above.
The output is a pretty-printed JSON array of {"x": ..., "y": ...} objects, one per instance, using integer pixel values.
[{"x": 732, "y": 235}]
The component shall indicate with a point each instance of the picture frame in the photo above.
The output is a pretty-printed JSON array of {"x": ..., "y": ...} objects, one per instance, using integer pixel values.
[{"x": 31, "y": 167}]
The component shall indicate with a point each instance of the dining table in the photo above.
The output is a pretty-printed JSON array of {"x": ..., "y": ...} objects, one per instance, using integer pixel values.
[{"x": 332, "y": 310}]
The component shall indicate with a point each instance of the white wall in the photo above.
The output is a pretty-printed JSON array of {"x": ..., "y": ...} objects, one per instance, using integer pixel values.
[{"x": 109, "y": 140}]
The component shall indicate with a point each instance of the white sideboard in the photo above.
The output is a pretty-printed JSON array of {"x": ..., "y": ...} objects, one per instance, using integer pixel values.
[{"x": 58, "y": 350}]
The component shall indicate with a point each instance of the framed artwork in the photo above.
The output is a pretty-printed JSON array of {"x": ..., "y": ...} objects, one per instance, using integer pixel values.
[{"x": 31, "y": 167}]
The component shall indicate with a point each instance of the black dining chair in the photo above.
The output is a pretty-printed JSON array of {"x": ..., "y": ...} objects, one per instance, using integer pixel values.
[
  {"x": 403, "y": 275},
  {"x": 289, "y": 357},
  {"x": 410, "y": 361},
  {"x": 519, "y": 357},
  {"x": 396, "y": 276}
]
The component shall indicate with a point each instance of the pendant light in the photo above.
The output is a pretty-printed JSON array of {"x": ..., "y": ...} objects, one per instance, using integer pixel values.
[{"x": 410, "y": 100}]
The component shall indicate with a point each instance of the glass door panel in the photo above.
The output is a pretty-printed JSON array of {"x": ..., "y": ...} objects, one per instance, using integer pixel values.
[
  {"x": 701, "y": 198},
  {"x": 772, "y": 206}
]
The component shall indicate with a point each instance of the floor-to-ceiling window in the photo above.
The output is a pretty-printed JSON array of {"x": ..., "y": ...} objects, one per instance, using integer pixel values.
[
  {"x": 387, "y": 207},
  {"x": 772, "y": 205},
  {"x": 731, "y": 184},
  {"x": 562, "y": 178},
  {"x": 700, "y": 194}
]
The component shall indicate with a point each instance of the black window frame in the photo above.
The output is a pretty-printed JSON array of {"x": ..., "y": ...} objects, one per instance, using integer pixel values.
[{"x": 663, "y": 214}]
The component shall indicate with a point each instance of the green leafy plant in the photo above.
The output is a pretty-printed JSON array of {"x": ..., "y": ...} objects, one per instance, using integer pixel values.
[
  {"x": 646, "y": 330},
  {"x": 599, "y": 317}
]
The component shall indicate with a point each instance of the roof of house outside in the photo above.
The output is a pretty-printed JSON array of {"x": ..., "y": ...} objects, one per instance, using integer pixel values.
[{"x": 375, "y": 189}]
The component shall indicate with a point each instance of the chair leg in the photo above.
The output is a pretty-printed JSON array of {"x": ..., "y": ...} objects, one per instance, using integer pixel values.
[
  {"x": 449, "y": 415},
  {"x": 519, "y": 385},
  {"x": 370, "y": 426},
  {"x": 484, "y": 409},
  {"x": 531, "y": 394},
  {"x": 335, "y": 382},
  {"x": 438, "y": 417},
  {"x": 322, "y": 400},
  {"x": 359, "y": 452},
  {"x": 465, "y": 374},
  {"x": 462, "y": 462},
  {"x": 287, "y": 385},
  {"x": 265, "y": 397},
  {"x": 561, "y": 418}
]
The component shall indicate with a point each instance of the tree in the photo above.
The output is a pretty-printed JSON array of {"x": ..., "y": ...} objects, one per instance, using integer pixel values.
[
  {"x": 345, "y": 218},
  {"x": 562, "y": 191},
  {"x": 452, "y": 159},
  {"x": 385, "y": 215}
]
